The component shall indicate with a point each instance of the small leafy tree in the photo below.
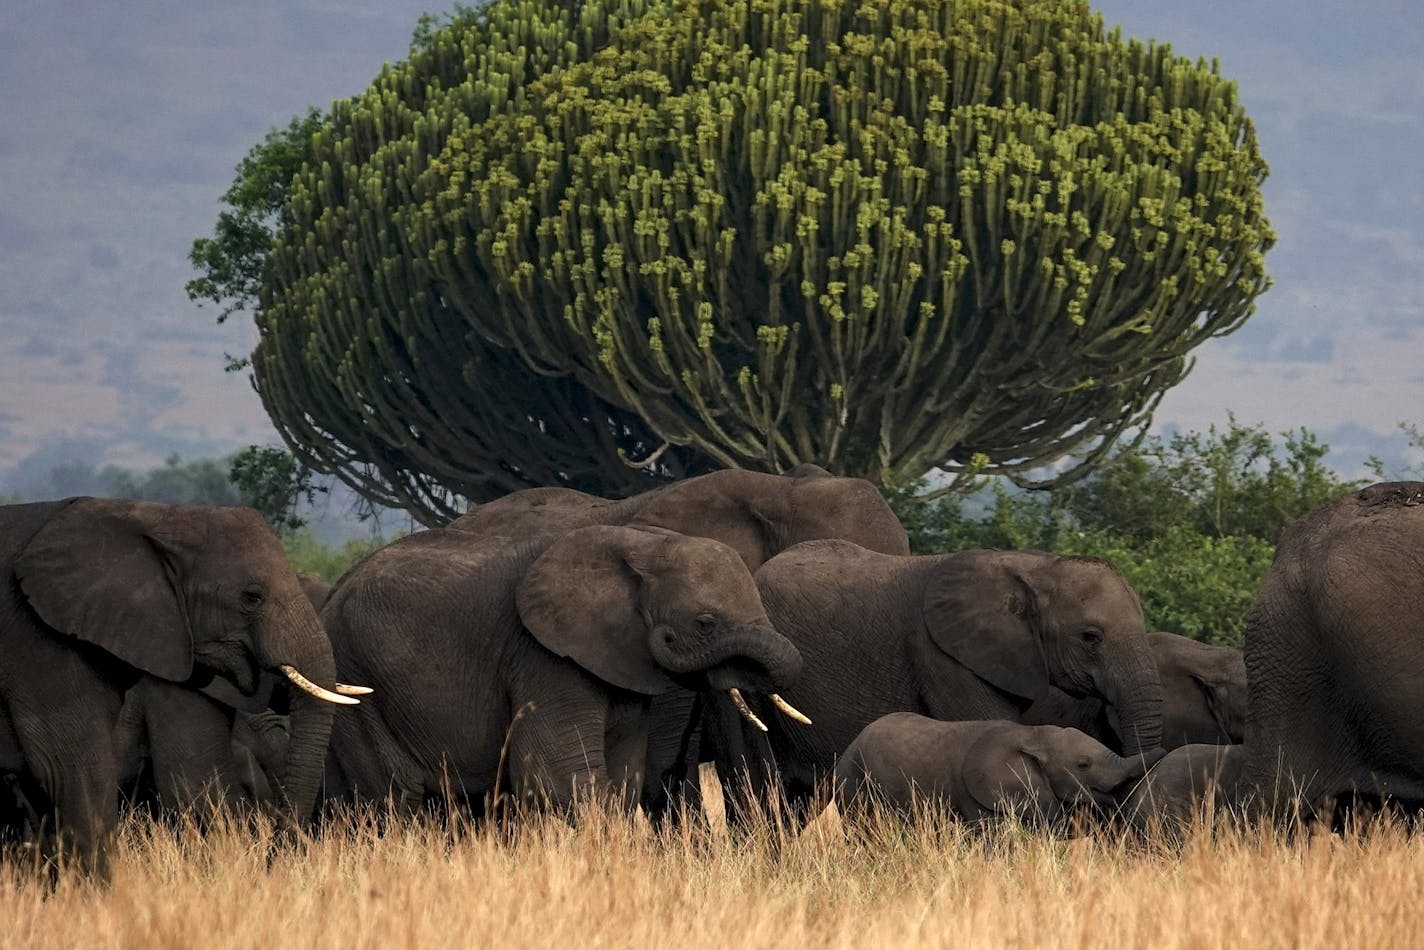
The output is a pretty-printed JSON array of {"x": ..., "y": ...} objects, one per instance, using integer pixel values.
[
  {"x": 1377, "y": 467},
  {"x": 275, "y": 483},
  {"x": 232, "y": 262},
  {"x": 1221, "y": 483}
]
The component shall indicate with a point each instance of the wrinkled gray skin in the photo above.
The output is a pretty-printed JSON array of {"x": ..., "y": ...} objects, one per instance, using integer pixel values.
[
  {"x": 316, "y": 588},
  {"x": 1173, "y": 789},
  {"x": 1334, "y": 650},
  {"x": 98, "y": 593},
  {"x": 554, "y": 645},
  {"x": 980, "y": 769},
  {"x": 180, "y": 749},
  {"x": 184, "y": 750},
  {"x": 971, "y": 635},
  {"x": 759, "y": 516},
  {"x": 1203, "y": 697}
]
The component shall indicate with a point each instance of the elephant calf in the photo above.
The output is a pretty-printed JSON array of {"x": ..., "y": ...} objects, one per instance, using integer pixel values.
[
  {"x": 1188, "y": 775},
  {"x": 981, "y": 768}
]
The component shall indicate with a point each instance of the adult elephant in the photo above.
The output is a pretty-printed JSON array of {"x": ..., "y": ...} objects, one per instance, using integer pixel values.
[
  {"x": 99, "y": 593},
  {"x": 971, "y": 635},
  {"x": 317, "y": 589},
  {"x": 1203, "y": 697},
  {"x": 756, "y": 514},
  {"x": 527, "y": 665},
  {"x": 1334, "y": 649},
  {"x": 179, "y": 749}
]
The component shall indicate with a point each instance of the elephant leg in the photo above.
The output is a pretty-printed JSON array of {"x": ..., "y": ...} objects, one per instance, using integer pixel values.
[
  {"x": 556, "y": 745},
  {"x": 626, "y": 749},
  {"x": 746, "y": 765},
  {"x": 671, "y": 784},
  {"x": 367, "y": 766},
  {"x": 71, "y": 759}
]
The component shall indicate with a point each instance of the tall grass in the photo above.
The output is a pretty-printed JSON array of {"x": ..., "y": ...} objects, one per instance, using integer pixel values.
[{"x": 615, "y": 881}]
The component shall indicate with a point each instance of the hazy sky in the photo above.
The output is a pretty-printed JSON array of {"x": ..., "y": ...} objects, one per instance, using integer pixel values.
[{"x": 121, "y": 125}]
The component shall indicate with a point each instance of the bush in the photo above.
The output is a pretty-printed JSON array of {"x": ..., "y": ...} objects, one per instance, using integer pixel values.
[
  {"x": 309, "y": 555},
  {"x": 1192, "y": 520}
]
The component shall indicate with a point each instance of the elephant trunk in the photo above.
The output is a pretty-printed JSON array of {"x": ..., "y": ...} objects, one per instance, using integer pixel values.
[
  {"x": 1139, "y": 711},
  {"x": 297, "y": 640},
  {"x": 755, "y": 652}
]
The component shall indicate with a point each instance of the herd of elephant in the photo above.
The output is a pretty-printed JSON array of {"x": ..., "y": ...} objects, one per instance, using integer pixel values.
[{"x": 552, "y": 644}]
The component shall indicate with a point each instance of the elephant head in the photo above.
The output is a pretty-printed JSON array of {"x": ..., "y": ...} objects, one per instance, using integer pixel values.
[
  {"x": 1045, "y": 768},
  {"x": 1024, "y": 620},
  {"x": 188, "y": 594},
  {"x": 645, "y": 609}
]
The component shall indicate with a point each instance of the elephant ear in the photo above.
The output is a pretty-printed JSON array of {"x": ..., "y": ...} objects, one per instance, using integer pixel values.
[
  {"x": 100, "y": 571},
  {"x": 1218, "y": 697},
  {"x": 980, "y": 610},
  {"x": 1001, "y": 774},
  {"x": 582, "y": 600}
]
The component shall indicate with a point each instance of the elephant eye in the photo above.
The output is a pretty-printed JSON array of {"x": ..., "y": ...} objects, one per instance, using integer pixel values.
[
  {"x": 705, "y": 622},
  {"x": 1084, "y": 763},
  {"x": 1092, "y": 636},
  {"x": 252, "y": 597}
]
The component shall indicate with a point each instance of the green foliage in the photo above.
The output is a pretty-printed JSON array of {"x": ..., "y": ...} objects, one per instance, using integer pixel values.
[
  {"x": 883, "y": 235},
  {"x": 273, "y": 482},
  {"x": 1415, "y": 436},
  {"x": 1234, "y": 482},
  {"x": 1192, "y": 519},
  {"x": 232, "y": 263},
  {"x": 310, "y": 555},
  {"x": 1193, "y": 584}
]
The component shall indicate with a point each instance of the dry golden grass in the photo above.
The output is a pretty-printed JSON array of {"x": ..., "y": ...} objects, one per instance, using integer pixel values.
[{"x": 614, "y": 882}]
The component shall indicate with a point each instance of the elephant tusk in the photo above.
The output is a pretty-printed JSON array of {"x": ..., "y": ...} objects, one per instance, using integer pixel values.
[
  {"x": 346, "y": 690},
  {"x": 306, "y": 685},
  {"x": 790, "y": 711},
  {"x": 744, "y": 709}
]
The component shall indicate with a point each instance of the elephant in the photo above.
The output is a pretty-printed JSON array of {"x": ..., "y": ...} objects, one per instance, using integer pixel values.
[
  {"x": 182, "y": 749},
  {"x": 759, "y": 515},
  {"x": 1334, "y": 646},
  {"x": 527, "y": 665},
  {"x": 971, "y": 635},
  {"x": 756, "y": 514},
  {"x": 1203, "y": 697},
  {"x": 100, "y": 593},
  {"x": 980, "y": 769},
  {"x": 317, "y": 589},
  {"x": 1168, "y": 796}
]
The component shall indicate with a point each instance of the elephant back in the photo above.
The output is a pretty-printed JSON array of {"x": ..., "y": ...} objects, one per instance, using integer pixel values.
[{"x": 534, "y": 511}]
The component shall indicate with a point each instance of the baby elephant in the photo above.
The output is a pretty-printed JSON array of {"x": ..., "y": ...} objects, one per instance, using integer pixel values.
[
  {"x": 1174, "y": 788},
  {"x": 981, "y": 768}
]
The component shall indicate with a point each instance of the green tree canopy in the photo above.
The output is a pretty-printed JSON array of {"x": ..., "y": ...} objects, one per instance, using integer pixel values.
[{"x": 879, "y": 235}]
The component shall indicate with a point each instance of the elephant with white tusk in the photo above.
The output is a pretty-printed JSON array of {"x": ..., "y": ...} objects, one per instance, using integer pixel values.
[
  {"x": 98, "y": 594},
  {"x": 529, "y": 665}
]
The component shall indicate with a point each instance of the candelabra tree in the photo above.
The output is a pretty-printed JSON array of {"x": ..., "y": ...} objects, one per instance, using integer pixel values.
[{"x": 884, "y": 236}]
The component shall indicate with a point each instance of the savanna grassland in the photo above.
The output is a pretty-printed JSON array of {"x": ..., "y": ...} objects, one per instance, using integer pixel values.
[{"x": 614, "y": 881}]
